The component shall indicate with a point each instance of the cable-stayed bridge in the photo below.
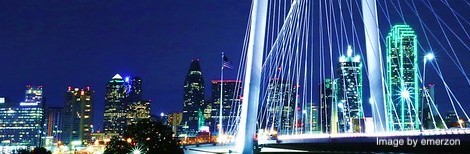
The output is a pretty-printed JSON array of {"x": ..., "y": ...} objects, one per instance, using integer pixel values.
[{"x": 347, "y": 71}]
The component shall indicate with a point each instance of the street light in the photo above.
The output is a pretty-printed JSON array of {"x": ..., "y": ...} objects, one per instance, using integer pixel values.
[{"x": 428, "y": 57}]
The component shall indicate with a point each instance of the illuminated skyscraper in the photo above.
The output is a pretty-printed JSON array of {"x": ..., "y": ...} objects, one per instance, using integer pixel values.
[
  {"x": 349, "y": 94},
  {"x": 193, "y": 99},
  {"x": 174, "y": 121},
  {"x": 328, "y": 116},
  {"x": 281, "y": 100},
  {"x": 310, "y": 113},
  {"x": 134, "y": 88},
  {"x": 78, "y": 116},
  {"x": 429, "y": 110},
  {"x": 230, "y": 103},
  {"x": 22, "y": 125},
  {"x": 402, "y": 94},
  {"x": 115, "y": 106}
]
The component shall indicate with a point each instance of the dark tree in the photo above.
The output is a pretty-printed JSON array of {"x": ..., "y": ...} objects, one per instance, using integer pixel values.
[
  {"x": 149, "y": 136},
  {"x": 38, "y": 150},
  {"x": 117, "y": 146}
]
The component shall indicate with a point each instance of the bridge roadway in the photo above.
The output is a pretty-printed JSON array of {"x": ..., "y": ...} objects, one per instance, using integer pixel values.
[{"x": 435, "y": 141}]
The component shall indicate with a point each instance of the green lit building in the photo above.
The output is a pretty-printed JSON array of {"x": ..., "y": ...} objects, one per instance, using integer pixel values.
[
  {"x": 402, "y": 94},
  {"x": 349, "y": 93}
]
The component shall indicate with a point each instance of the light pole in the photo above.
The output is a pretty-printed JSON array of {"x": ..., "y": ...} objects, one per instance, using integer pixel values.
[{"x": 427, "y": 57}]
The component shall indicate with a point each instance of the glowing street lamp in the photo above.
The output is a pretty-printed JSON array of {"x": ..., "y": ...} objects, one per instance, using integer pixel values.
[{"x": 428, "y": 57}]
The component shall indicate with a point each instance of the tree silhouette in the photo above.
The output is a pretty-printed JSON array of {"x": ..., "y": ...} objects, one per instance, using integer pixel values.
[
  {"x": 38, "y": 150},
  {"x": 117, "y": 146},
  {"x": 148, "y": 136}
]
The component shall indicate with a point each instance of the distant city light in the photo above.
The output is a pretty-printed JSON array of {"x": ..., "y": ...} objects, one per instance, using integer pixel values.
[{"x": 162, "y": 114}]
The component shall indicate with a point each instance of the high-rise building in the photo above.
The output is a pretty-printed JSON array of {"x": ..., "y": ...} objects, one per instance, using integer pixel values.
[
  {"x": 310, "y": 113},
  {"x": 116, "y": 106},
  {"x": 429, "y": 107},
  {"x": 22, "y": 125},
  {"x": 137, "y": 111},
  {"x": 281, "y": 103},
  {"x": 402, "y": 94},
  {"x": 451, "y": 119},
  {"x": 53, "y": 121},
  {"x": 78, "y": 116},
  {"x": 230, "y": 103},
  {"x": 124, "y": 104},
  {"x": 193, "y": 99},
  {"x": 328, "y": 110},
  {"x": 174, "y": 120},
  {"x": 134, "y": 88},
  {"x": 349, "y": 94}
]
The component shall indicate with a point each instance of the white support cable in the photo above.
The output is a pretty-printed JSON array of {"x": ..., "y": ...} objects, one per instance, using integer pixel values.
[
  {"x": 457, "y": 15},
  {"x": 451, "y": 92},
  {"x": 448, "y": 41},
  {"x": 447, "y": 91}
]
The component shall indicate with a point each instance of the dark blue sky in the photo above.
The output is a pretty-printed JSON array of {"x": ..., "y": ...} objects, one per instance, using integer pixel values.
[{"x": 84, "y": 43}]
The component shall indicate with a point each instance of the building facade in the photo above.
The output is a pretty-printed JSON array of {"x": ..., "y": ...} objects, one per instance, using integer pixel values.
[
  {"x": 281, "y": 103},
  {"x": 174, "y": 120},
  {"x": 21, "y": 125},
  {"x": 78, "y": 116},
  {"x": 402, "y": 94},
  {"x": 116, "y": 105},
  {"x": 53, "y": 121},
  {"x": 429, "y": 107},
  {"x": 310, "y": 114},
  {"x": 193, "y": 99},
  {"x": 138, "y": 110},
  {"x": 349, "y": 95},
  {"x": 328, "y": 116},
  {"x": 230, "y": 103}
]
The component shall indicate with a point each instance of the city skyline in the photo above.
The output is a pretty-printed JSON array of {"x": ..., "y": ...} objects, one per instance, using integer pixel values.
[{"x": 163, "y": 66}]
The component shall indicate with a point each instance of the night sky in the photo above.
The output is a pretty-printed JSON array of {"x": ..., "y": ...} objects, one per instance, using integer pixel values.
[
  {"x": 75, "y": 43},
  {"x": 85, "y": 43}
]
